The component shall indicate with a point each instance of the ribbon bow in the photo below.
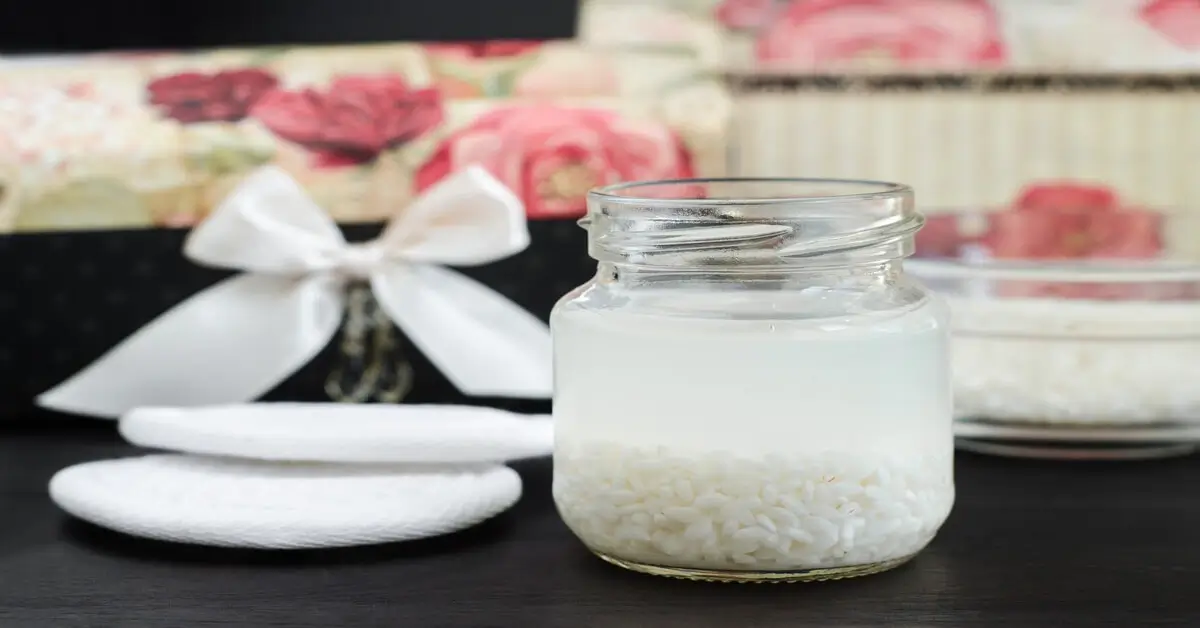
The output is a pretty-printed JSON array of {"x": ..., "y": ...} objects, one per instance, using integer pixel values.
[{"x": 240, "y": 338}]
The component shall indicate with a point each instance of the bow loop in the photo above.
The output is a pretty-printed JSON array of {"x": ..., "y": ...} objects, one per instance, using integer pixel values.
[
  {"x": 469, "y": 219},
  {"x": 267, "y": 224}
]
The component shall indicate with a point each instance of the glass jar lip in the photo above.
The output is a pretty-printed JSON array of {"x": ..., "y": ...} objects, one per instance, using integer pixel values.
[{"x": 617, "y": 193}]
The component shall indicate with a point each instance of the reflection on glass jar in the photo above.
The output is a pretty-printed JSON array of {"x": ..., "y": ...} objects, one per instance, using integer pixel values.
[{"x": 751, "y": 388}]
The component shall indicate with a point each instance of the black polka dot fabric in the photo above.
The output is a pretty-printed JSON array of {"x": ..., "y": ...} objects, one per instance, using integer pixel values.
[{"x": 68, "y": 297}]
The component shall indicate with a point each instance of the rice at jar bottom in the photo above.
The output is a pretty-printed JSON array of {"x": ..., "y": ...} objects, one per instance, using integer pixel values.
[{"x": 794, "y": 517}]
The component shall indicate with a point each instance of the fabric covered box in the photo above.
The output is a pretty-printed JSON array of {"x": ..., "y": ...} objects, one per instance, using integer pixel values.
[
  {"x": 155, "y": 140},
  {"x": 106, "y": 161},
  {"x": 977, "y": 104}
]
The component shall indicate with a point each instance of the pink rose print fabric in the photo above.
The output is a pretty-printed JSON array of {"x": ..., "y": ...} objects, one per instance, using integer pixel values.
[
  {"x": 550, "y": 155},
  {"x": 193, "y": 97},
  {"x": 352, "y": 121},
  {"x": 940, "y": 34},
  {"x": 745, "y": 14},
  {"x": 940, "y": 237},
  {"x": 1074, "y": 221},
  {"x": 1177, "y": 20},
  {"x": 484, "y": 49}
]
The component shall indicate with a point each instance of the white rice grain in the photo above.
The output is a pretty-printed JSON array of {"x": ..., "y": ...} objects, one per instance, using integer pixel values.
[{"x": 720, "y": 511}]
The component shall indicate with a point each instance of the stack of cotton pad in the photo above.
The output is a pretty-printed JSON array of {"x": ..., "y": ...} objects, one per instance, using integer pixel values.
[{"x": 291, "y": 476}]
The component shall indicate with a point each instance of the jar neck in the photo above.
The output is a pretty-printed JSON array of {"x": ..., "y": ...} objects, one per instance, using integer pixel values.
[{"x": 860, "y": 276}]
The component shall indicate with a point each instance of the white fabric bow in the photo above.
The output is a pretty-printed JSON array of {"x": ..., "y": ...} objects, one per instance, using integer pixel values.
[{"x": 238, "y": 339}]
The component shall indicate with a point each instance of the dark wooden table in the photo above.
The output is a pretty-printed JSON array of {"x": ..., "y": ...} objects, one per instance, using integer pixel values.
[{"x": 1029, "y": 545}]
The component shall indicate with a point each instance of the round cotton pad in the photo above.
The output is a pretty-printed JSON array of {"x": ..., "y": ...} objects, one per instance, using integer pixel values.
[
  {"x": 236, "y": 503},
  {"x": 334, "y": 432}
]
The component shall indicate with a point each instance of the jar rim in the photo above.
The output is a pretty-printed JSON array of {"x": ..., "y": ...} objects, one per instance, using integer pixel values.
[
  {"x": 751, "y": 222},
  {"x": 868, "y": 189}
]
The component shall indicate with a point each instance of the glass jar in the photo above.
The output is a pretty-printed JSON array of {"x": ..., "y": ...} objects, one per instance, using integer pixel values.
[
  {"x": 751, "y": 388},
  {"x": 1072, "y": 339}
]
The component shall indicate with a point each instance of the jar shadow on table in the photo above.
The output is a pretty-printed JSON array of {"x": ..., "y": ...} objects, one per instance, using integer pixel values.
[
  {"x": 634, "y": 599},
  {"x": 926, "y": 569}
]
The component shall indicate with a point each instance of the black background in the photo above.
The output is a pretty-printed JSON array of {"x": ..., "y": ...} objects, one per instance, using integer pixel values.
[{"x": 44, "y": 25}]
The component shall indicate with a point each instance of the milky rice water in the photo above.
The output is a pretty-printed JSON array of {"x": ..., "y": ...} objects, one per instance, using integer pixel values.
[
  {"x": 751, "y": 387},
  {"x": 753, "y": 445}
]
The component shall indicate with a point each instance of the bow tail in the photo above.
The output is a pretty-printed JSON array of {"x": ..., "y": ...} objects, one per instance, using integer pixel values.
[
  {"x": 230, "y": 343},
  {"x": 483, "y": 343}
]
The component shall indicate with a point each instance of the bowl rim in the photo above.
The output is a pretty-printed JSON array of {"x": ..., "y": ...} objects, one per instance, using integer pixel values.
[
  {"x": 964, "y": 265},
  {"x": 1057, "y": 271}
]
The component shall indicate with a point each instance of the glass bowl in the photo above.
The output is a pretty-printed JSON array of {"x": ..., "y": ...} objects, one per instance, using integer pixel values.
[{"x": 1076, "y": 327}]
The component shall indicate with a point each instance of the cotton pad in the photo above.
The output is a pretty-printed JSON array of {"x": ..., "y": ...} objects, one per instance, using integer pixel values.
[
  {"x": 334, "y": 432},
  {"x": 269, "y": 505}
]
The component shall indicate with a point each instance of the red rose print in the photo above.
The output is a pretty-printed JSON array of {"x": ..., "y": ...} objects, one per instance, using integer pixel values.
[
  {"x": 484, "y": 49},
  {"x": 479, "y": 69},
  {"x": 550, "y": 156},
  {"x": 943, "y": 34},
  {"x": 82, "y": 91},
  {"x": 1074, "y": 221},
  {"x": 353, "y": 120},
  {"x": 941, "y": 237},
  {"x": 745, "y": 14},
  {"x": 222, "y": 97},
  {"x": 1177, "y": 20}
]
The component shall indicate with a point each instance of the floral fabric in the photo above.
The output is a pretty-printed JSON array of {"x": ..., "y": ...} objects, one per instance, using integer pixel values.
[
  {"x": 127, "y": 141},
  {"x": 552, "y": 155},
  {"x": 1068, "y": 220},
  {"x": 883, "y": 35},
  {"x": 1100, "y": 172}
]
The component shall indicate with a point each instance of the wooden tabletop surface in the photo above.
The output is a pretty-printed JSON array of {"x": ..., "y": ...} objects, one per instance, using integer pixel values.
[{"x": 1030, "y": 544}]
